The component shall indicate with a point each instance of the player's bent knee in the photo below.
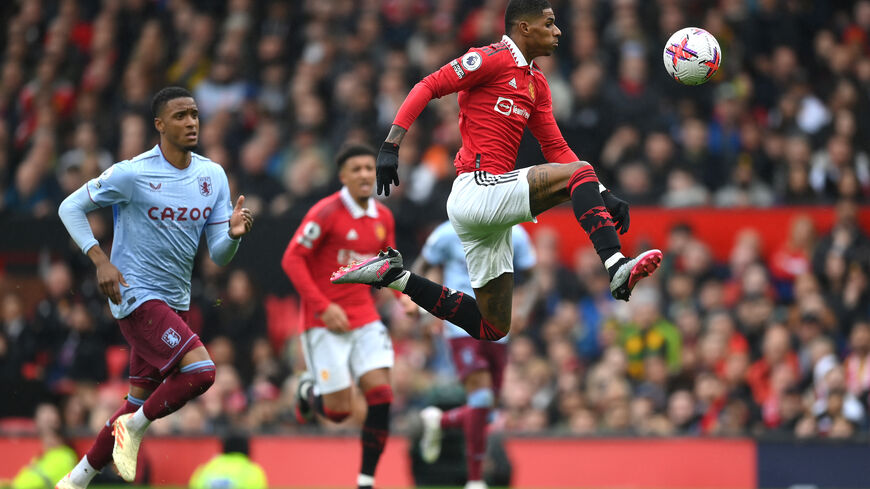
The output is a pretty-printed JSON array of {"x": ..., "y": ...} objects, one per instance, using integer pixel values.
[
  {"x": 203, "y": 380},
  {"x": 199, "y": 375},
  {"x": 499, "y": 317}
]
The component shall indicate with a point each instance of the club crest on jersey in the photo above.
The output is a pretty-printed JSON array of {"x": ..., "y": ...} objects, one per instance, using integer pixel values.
[
  {"x": 205, "y": 187},
  {"x": 380, "y": 232},
  {"x": 532, "y": 90},
  {"x": 471, "y": 61},
  {"x": 171, "y": 338}
]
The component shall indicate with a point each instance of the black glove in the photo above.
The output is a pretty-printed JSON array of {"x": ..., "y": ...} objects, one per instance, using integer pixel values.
[
  {"x": 387, "y": 168},
  {"x": 618, "y": 209}
]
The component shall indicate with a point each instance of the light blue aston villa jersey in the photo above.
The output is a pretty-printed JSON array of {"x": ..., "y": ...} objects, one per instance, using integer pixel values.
[
  {"x": 159, "y": 213},
  {"x": 443, "y": 248}
]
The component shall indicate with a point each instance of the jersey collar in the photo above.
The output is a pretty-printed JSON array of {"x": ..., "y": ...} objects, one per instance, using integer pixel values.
[
  {"x": 355, "y": 210},
  {"x": 515, "y": 51}
]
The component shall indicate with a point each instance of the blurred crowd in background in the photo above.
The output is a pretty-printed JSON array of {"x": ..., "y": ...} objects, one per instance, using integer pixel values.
[{"x": 759, "y": 344}]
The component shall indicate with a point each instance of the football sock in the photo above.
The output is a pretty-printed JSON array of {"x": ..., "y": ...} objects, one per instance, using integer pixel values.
[
  {"x": 400, "y": 282},
  {"x": 83, "y": 473},
  {"x": 591, "y": 213},
  {"x": 451, "y": 305},
  {"x": 365, "y": 481},
  {"x": 138, "y": 422},
  {"x": 100, "y": 453},
  {"x": 475, "y": 441},
  {"x": 455, "y": 418},
  {"x": 614, "y": 262},
  {"x": 190, "y": 381},
  {"x": 376, "y": 427},
  {"x": 480, "y": 403}
]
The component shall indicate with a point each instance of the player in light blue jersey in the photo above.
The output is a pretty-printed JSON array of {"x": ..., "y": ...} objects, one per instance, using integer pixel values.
[
  {"x": 162, "y": 202},
  {"x": 479, "y": 364}
]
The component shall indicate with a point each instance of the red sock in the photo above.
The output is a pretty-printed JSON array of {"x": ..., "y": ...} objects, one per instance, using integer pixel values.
[
  {"x": 455, "y": 418},
  {"x": 176, "y": 390},
  {"x": 100, "y": 453},
  {"x": 475, "y": 441}
]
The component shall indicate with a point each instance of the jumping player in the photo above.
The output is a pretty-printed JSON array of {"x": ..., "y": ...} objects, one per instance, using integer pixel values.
[
  {"x": 344, "y": 339},
  {"x": 501, "y": 92},
  {"x": 479, "y": 364},
  {"x": 162, "y": 201}
]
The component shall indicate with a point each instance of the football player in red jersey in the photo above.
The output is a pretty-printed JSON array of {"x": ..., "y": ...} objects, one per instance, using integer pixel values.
[
  {"x": 344, "y": 339},
  {"x": 501, "y": 91}
]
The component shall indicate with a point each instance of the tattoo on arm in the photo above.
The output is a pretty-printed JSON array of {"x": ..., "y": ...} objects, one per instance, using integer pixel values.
[{"x": 397, "y": 133}]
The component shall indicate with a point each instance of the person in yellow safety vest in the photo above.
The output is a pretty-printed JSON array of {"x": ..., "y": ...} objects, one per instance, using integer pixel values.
[
  {"x": 231, "y": 469},
  {"x": 56, "y": 457}
]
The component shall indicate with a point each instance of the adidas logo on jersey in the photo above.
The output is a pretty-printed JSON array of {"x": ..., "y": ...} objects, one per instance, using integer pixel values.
[
  {"x": 513, "y": 82},
  {"x": 352, "y": 235}
]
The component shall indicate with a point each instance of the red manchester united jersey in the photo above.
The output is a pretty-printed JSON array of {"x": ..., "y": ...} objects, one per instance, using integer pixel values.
[
  {"x": 500, "y": 93},
  {"x": 335, "y": 232}
]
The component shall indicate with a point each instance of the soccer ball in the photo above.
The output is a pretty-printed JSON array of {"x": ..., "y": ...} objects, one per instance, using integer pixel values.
[{"x": 692, "y": 56}]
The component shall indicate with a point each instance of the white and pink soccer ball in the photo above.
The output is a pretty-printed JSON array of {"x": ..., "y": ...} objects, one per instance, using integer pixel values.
[{"x": 692, "y": 56}]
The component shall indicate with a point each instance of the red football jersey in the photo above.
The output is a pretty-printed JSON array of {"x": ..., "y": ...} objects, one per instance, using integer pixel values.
[
  {"x": 499, "y": 94},
  {"x": 335, "y": 232}
]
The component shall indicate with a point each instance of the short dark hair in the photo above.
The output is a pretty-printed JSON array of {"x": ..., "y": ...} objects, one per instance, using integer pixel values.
[
  {"x": 164, "y": 96},
  {"x": 518, "y": 9},
  {"x": 349, "y": 150}
]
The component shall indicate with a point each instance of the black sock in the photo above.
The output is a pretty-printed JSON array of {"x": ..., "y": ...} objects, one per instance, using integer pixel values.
[
  {"x": 591, "y": 213},
  {"x": 375, "y": 431},
  {"x": 454, "y": 306}
]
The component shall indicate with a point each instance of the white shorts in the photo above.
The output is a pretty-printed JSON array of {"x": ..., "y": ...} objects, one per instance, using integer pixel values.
[
  {"x": 482, "y": 208},
  {"x": 337, "y": 360}
]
